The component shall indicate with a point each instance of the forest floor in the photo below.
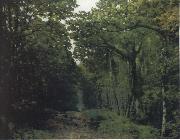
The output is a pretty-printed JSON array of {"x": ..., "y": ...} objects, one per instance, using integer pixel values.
[
  {"x": 72, "y": 125},
  {"x": 87, "y": 125},
  {"x": 69, "y": 125}
]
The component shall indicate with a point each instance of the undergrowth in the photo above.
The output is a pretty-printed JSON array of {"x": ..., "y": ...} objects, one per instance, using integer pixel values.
[{"x": 100, "y": 124}]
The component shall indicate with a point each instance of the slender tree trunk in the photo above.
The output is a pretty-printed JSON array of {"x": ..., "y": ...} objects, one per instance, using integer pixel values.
[
  {"x": 107, "y": 100},
  {"x": 164, "y": 79},
  {"x": 137, "y": 106},
  {"x": 110, "y": 76},
  {"x": 131, "y": 106},
  {"x": 100, "y": 103},
  {"x": 164, "y": 113},
  {"x": 117, "y": 103},
  {"x": 127, "y": 109}
]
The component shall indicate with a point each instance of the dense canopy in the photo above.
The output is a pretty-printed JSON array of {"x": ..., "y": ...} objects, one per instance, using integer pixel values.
[{"x": 113, "y": 71}]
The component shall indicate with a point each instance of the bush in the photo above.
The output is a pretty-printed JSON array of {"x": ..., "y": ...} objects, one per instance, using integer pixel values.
[
  {"x": 104, "y": 114},
  {"x": 110, "y": 125}
]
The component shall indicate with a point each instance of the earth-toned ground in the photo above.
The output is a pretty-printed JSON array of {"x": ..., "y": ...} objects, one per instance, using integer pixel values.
[
  {"x": 88, "y": 124},
  {"x": 63, "y": 126}
]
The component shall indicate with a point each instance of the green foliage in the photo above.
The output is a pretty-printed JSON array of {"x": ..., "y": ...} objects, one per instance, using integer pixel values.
[
  {"x": 37, "y": 69},
  {"x": 110, "y": 125},
  {"x": 33, "y": 134},
  {"x": 133, "y": 49},
  {"x": 104, "y": 114},
  {"x": 129, "y": 63},
  {"x": 122, "y": 128}
]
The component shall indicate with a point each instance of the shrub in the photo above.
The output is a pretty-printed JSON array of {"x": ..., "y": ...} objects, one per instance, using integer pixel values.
[{"x": 113, "y": 126}]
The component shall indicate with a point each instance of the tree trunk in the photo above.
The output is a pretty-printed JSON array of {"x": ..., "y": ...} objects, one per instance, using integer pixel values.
[
  {"x": 112, "y": 84},
  {"x": 164, "y": 112},
  {"x": 107, "y": 99},
  {"x": 133, "y": 82},
  {"x": 117, "y": 103},
  {"x": 137, "y": 106}
]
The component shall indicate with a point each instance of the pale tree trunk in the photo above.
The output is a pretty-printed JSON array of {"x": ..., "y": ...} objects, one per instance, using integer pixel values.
[
  {"x": 137, "y": 106},
  {"x": 164, "y": 113},
  {"x": 131, "y": 106},
  {"x": 163, "y": 88}
]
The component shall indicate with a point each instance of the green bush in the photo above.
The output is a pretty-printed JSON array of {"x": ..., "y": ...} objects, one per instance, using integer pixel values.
[
  {"x": 124, "y": 128},
  {"x": 113, "y": 126},
  {"x": 104, "y": 114}
]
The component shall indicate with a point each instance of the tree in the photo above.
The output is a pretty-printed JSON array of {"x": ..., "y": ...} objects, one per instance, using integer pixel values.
[
  {"x": 123, "y": 29},
  {"x": 34, "y": 54}
]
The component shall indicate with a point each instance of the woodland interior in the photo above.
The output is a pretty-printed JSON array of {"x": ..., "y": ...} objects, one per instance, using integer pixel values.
[{"x": 111, "y": 72}]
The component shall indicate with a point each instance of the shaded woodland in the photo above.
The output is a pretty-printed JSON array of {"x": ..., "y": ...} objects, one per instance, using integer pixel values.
[{"x": 112, "y": 72}]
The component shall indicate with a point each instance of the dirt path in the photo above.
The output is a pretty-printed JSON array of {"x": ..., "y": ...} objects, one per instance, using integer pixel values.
[
  {"x": 73, "y": 133},
  {"x": 71, "y": 125}
]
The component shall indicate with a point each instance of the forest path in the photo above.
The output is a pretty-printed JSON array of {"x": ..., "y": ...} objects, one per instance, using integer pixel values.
[
  {"x": 88, "y": 124},
  {"x": 72, "y": 125},
  {"x": 68, "y": 125},
  {"x": 75, "y": 133}
]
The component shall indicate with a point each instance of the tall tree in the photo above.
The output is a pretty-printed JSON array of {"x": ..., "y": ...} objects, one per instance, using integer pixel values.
[
  {"x": 34, "y": 54},
  {"x": 124, "y": 29}
]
